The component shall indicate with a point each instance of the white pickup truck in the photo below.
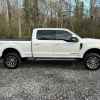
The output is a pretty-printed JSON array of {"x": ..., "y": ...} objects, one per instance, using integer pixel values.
[{"x": 51, "y": 43}]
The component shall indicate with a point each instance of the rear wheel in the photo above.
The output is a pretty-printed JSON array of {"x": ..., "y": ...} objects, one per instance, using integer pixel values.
[
  {"x": 11, "y": 60},
  {"x": 92, "y": 61}
]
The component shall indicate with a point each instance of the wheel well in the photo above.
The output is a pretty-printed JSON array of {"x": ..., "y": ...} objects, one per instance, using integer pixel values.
[
  {"x": 92, "y": 51},
  {"x": 10, "y": 50}
]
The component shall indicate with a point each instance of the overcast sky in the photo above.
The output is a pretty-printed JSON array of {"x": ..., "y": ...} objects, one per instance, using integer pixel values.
[{"x": 86, "y": 4}]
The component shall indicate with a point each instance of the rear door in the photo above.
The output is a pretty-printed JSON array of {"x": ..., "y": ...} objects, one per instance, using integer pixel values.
[{"x": 44, "y": 44}]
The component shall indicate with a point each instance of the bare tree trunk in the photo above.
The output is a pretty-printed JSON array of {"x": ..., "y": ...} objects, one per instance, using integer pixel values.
[
  {"x": 19, "y": 20},
  {"x": 8, "y": 16},
  {"x": 35, "y": 13},
  {"x": 19, "y": 27},
  {"x": 8, "y": 11}
]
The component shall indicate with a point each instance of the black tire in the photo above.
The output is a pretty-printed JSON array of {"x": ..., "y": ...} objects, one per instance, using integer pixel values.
[
  {"x": 11, "y": 60},
  {"x": 92, "y": 61}
]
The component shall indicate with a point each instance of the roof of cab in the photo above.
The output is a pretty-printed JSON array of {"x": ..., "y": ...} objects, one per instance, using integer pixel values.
[
  {"x": 53, "y": 29},
  {"x": 50, "y": 29}
]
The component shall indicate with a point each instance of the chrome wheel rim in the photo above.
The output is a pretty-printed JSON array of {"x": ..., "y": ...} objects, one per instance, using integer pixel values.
[
  {"x": 93, "y": 62},
  {"x": 11, "y": 61}
]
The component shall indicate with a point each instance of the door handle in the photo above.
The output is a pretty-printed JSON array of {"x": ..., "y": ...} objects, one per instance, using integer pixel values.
[{"x": 37, "y": 44}]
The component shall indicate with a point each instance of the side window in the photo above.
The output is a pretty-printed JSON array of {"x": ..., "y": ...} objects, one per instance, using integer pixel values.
[
  {"x": 63, "y": 35},
  {"x": 46, "y": 35}
]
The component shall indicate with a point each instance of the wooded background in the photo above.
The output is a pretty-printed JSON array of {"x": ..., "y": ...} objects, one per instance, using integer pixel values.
[{"x": 18, "y": 20}]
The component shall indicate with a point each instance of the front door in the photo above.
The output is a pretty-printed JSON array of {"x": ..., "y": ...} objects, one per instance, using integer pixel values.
[{"x": 63, "y": 47}]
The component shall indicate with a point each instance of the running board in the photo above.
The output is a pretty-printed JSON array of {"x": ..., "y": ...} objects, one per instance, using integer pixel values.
[{"x": 55, "y": 59}]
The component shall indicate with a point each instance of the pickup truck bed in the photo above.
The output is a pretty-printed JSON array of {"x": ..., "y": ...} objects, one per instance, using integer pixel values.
[
  {"x": 15, "y": 39},
  {"x": 23, "y": 46}
]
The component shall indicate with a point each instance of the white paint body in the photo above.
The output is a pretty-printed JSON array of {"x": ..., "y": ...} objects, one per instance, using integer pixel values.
[{"x": 50, "y": 48}]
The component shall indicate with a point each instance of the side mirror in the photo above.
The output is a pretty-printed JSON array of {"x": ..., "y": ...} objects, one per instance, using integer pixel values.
[{"x": 74, "y": 39}]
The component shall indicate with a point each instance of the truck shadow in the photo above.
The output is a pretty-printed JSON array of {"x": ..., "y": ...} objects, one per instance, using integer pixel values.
[{"x": 71, "y": 65}]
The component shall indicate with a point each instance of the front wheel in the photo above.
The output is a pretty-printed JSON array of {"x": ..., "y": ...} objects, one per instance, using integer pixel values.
[
  {"x": 11, "y": 60},
  {"x": 92, "y": 61}
]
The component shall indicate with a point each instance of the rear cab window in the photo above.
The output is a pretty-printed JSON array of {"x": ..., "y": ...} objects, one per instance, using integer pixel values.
[{"x": 46, "y": 35}]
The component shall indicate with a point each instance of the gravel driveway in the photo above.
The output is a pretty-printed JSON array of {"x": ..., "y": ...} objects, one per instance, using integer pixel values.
[{"x": 49, "y": 80}]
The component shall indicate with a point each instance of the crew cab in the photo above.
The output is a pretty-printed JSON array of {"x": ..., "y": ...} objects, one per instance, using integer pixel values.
[{"x": 51, "y": 43}]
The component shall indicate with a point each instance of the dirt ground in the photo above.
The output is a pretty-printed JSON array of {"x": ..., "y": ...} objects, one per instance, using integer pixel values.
[{"x": 49, "y": 80}]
